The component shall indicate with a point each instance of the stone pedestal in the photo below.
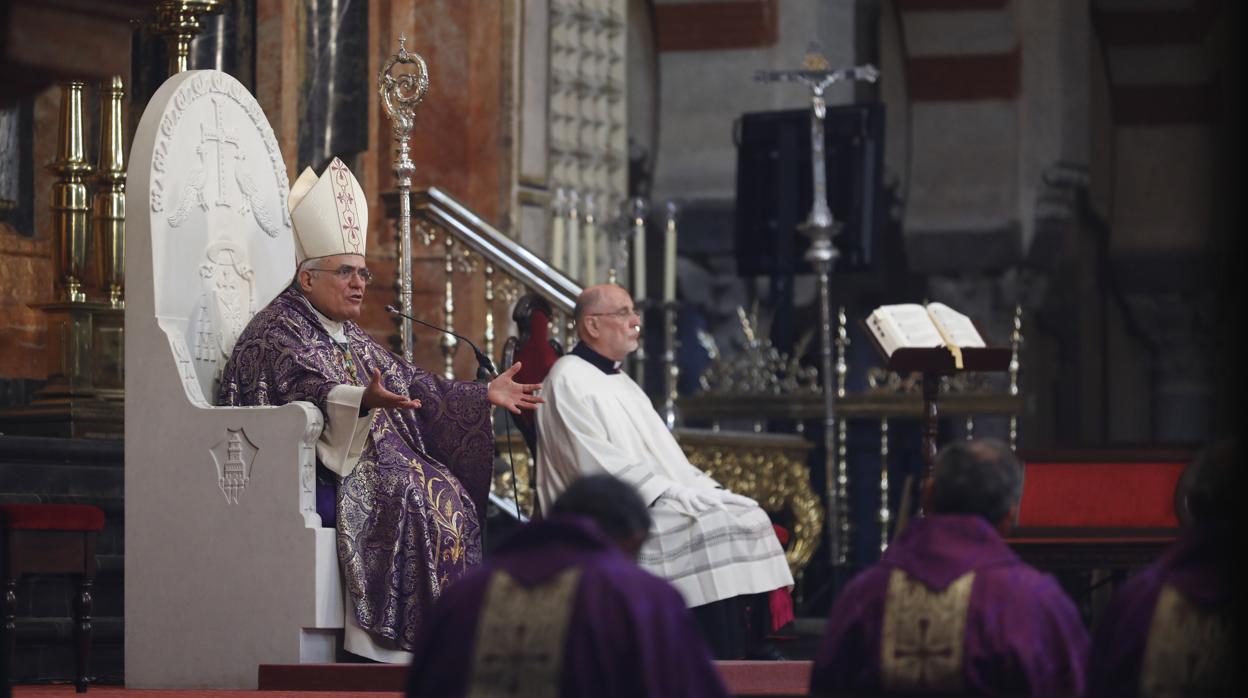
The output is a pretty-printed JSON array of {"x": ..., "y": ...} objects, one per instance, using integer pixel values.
[{"x": 83, "y": 397}]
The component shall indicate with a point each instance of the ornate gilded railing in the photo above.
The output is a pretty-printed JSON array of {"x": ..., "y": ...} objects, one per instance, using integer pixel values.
[{"x": 434, "y": 207}]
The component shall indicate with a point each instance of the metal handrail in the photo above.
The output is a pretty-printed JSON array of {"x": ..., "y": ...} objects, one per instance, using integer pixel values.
[{"x": 510, "y": 257}]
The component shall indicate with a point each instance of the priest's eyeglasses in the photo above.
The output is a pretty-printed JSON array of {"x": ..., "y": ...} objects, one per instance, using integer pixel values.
[
  {"x": 621, "y": 313},
  {"x": 346, "y": 271}
]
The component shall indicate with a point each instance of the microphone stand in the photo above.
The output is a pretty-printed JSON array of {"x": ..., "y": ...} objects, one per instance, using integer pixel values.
[
  {"x": 485, "y": 367},
  {"x": 486, "y": 372}
]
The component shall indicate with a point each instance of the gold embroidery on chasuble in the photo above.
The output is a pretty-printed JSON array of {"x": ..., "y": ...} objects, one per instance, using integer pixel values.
[
  {"x": 521, "y": 636},
  {"x": 448, "y": 520},
  {"x": 924, "y": 634},
  {"x": 1187, "y": 653}
]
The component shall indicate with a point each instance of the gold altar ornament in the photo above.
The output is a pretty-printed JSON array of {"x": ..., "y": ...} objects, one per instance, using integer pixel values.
[
  {"x": 181, "y": 21},
  {"x": 108, "y": 205},
  {"x": 69, "y": 195}
]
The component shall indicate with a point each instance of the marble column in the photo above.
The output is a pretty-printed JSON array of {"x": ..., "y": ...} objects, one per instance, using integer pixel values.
[{"x": 336, "y": 86}]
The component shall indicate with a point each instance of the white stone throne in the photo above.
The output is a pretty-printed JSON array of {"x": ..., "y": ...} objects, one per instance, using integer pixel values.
[{"x": 227, "y": 565}]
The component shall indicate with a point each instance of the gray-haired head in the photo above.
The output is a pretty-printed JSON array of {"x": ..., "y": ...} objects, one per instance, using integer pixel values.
[
  {"x": 981, "y": 477},
  {"x": 1209, "y": 494},
  {"x": 612, "y": 504}
]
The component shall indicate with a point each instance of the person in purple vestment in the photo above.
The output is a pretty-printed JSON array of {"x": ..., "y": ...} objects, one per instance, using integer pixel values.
[
  {"x": 1167, "y": 631},
  {"x": 412, "y": 453},
  {"x": 949, "y": 608},
  {"x": 562, "y": 609}
]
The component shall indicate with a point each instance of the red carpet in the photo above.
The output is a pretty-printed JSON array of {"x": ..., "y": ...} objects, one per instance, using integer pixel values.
[
  {"x": 386, "y": 681},
  {"x": 67, "y": 691},
  {"x": 742, "y": 678}
]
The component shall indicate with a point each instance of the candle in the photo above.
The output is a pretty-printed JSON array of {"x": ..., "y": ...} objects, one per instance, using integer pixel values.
[
  {"x": 669, "y": 255},
  {"x": 556, "y": 229},
  {"x": 639, "y": 250},
  {"x": 573, "y": 263},
  {"x": 591, "y": 243}
]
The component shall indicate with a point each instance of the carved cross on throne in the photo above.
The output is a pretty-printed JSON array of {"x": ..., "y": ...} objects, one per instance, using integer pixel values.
[{"x": 221, "y": 138}]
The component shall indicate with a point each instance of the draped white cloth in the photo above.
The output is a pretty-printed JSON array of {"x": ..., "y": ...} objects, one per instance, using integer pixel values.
[{"x": 593, "y": 423}]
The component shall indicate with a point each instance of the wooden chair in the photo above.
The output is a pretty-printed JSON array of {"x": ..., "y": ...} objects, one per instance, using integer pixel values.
[
  {"x": 537, "y": 352},
  {"x": 52, "y": 539}
]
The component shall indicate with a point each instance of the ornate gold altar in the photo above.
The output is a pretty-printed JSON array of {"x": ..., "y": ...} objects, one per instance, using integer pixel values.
[{"x": 768, "y": 468}]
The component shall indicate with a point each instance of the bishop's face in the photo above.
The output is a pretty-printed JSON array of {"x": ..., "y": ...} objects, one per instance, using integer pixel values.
[
  {"x": 613, "y": 327},
  {"x": 335, "y": 285}
]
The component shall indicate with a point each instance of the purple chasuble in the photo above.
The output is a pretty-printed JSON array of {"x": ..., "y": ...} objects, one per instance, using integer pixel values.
[
  {"x": 967, "y": 616},
  {"x": 627, "y": 631},
  {"x": 1167, "y": 630},
  {"x": 408, "y": 514}
]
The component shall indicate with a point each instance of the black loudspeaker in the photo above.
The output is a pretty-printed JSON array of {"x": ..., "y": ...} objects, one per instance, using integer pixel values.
[{"x": 774, "y": 185}]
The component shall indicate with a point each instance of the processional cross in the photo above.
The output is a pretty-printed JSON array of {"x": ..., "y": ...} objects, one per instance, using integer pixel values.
[{"x": 816, "y": 75}]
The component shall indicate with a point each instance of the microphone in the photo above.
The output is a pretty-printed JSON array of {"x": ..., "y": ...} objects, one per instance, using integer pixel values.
[{"x": 483, "y": 362}]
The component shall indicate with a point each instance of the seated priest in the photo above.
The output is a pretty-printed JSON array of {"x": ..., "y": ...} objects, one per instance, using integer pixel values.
[
  {"x": 412, "y": 453},
  {"x": 561, "y": 609},
  {"x": 949, "y": 608},
  {"x": 1167, "y": 631},
  {"x": 716, "y": 547}
]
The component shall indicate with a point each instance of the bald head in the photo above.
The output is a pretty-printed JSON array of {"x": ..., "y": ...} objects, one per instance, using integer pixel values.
[{"x": 606, "y": 321}]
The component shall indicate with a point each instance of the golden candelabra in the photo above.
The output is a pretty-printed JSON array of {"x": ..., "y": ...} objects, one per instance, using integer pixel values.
[
  {"x": 84, "y": 337},
  {"x": 69, "y": 195},
  {"x": 108, "y": 205},
  {"x": 181, "y": 21}
]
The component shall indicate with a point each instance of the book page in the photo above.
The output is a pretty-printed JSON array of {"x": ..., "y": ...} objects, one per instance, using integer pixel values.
[
  {"x": 958, "y": 330},
  {"x": 910, "y": 326}
]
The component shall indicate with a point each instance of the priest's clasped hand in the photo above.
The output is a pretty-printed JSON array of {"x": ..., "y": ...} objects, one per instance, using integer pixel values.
[
  {"x": 505, "y": 392},
  {"x": 376, "y": 395},
  {"x": 730, "y": 497},
  {"x": 693, "y": 500}
]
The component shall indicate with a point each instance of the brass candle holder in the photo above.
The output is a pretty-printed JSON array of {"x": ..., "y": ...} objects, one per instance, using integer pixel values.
[
  {"x": 181, "y": 21},
  {"x": 108, "y": 205},
  {"x": 70, "y": 209},
  {"x": 84, "y": 338}
]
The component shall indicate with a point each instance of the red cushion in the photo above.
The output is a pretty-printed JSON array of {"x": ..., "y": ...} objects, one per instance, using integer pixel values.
[
  {"x": 782, "y": 533},
  {"x": 536, "y": 355},
  {"x": 1100, "y": 495},
  {"x": 54, "y": 517}
]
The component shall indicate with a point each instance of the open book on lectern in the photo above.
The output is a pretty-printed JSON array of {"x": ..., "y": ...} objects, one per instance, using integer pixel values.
[{"x": 914, "y": 326}]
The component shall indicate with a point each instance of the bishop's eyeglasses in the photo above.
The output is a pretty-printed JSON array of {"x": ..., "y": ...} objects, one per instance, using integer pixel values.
[{"x": 346, "y": 271}]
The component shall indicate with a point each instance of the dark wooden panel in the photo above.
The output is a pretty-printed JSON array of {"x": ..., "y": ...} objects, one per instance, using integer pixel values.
[
  {"x": 948, "y": 5},
  {"x": 1159, "y": 105},
  {"x": 705, "y": 26},
  {"x": 1145, "y": 28},
  {"x": 964, "y": 78}
]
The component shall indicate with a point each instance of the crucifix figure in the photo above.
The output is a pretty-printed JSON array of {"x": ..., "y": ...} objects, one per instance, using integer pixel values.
[
  {"x": 816, "y": 75},
  {"x": 222, "y": 138}
]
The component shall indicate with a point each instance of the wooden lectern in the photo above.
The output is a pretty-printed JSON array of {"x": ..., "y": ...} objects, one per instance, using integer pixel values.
[{"x": 933, "y": 363}]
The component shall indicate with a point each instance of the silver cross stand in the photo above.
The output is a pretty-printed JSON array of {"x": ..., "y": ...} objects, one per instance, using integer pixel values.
[
  {"x": 821, "y": 228},
  {"x": 399, "y": 97}
]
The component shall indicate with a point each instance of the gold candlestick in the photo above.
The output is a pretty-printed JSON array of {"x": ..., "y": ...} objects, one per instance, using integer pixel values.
[
  {"x": 180, "y": 20},
  {"x": 109, "y": 202},
  {"x": 69, "y": 195}
]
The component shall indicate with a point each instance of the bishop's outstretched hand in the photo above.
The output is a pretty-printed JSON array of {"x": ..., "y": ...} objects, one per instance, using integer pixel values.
[
  {"x": 506, "y": 392},
  {"x": 376, "y": 395}
]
